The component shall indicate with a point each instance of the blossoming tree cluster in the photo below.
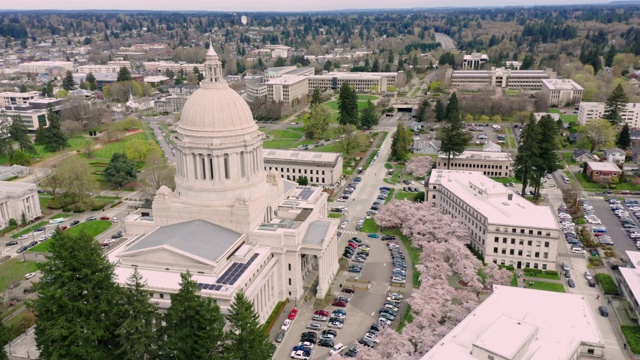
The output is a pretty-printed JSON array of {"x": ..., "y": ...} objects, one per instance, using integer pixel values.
[
  {"x": 419, "y": 166},
  {"x": 451, "y": 278}
]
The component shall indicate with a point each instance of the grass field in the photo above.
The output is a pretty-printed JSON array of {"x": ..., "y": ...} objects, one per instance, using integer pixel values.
[
  {"x": 61, "y": 215},
  {"x": 44, "y": 200},
  {"x": 541, "y": 285},
  {"x": 411, "y": 196},
  {"x": 370, "y": 226},
  {"x": 416, "y": 91},
  {"x": 364, "y": 97},
  {"x": 107, "y": 151},
  {"x": 333, "y": 147},
  {"x": 93, "y": 228},
  {"x": 14, "y": 270},
  {"x": 285, "y": 134},
  {"x": 279, "y": 144},
  {"x": 333, "y": 105},
  {"x": 565, "y": 117}
]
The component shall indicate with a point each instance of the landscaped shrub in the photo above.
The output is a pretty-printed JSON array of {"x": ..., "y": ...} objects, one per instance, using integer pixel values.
[
  {"x": 595, "y": 261},
  {"x": 632, "y": 334},
  {"x": 475, "y": 252},
  {"x": 508, "y": 267},
  {"x": 608, "y": 284}
]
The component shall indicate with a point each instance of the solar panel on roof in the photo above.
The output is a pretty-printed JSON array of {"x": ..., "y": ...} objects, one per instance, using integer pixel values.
[
  {"x": 218, "y": 287},
  {"x": 200, "y": 285}
]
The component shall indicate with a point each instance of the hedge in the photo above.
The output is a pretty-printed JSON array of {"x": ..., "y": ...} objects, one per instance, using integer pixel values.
[
  {"x": 268, "y": 325},
  {"x": 632, "y": 334},
  {"x": 608, "y": 284}
]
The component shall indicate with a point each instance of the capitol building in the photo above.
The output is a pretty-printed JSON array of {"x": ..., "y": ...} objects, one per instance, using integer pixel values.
[{"x": 232, "y": 224}]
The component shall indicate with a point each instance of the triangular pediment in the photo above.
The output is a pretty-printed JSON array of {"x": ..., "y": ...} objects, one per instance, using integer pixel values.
[{"x": 165, "y": 255}]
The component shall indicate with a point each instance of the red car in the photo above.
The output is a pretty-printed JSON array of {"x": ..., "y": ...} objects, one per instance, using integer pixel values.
[
  {"x": 321, "y": 312},
  {"x": 348, "y": 290},
  {"x": 353, "y": 245},
  {"x": 293, "y": 314},
  {"x": 339, "y": 303},
  {"x": 104, "y": 218},
  {"x": 64, "y": 228}
]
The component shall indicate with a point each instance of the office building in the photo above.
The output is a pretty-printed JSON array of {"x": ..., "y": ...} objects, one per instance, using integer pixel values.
[
  {"x": 595, "y": 110},
  {"x": 46, "y": 67},
  {"x": 517, "y": 323},
  {"x": 630, "y": 286},
  {"x": 474, "y": 61},
  {"x": 170, "y": 104},
  {"x": 16, "y": 199},
  {"x": 506, "y": 228},
  {"x": 155, "y": 67},
  {"x": 492, "y": 164},
  {"x": 320, "y": 168},
  {"x": 560, "y": 92},
  {"x": 362, "y": 82},
  {"x": 287, "y": 88},
  {"x": 498, "y": 77}
]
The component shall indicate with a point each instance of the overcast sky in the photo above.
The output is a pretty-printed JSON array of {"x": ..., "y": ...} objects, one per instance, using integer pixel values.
[{"x": 262, "y": 5}]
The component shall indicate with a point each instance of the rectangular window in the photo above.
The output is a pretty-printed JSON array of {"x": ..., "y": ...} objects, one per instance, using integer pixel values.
[
  {"x": 528, "y": 253},
  {"x": 546, "y": 244},
  {"x": 544, "y": 266},
  {"x": 504, "y": 251},
  {"x": 529, "y": 242},
  {"x": 497, "y": 239},
  {"x": 511, "y": 252},
  {"x": 504, "y": 240},
  {"x": 521, "y": 242},
  {"x": 211, "y": 166},
  {"x": 289, "y": 267},
  {"x": 242, "y": 170},
  {"x": 530, "y": 232},
  {"x": 545, "y": 255},
  {"x": 204, "y": 169},
  {"x": 495, "y": 250},
  {"x": 539, "y": 233},
  {"x": 289, "y": 281},
  {"x": 519, "y": 252},
  {"x": 536, "y": 254},
  {"x": 513, "y": 241}
]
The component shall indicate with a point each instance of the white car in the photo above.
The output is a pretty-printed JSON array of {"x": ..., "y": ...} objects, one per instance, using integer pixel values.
[
  {"x": 337, "y": 349},
  {"x": 588, "y": 276},
  {"x": 29, "y": 275},
  {"x": 114, "y": 219},
  {"x": 336, "y": 324},
  {"x": 23, "y": 237},
  {"x": 286, "y": 324}
]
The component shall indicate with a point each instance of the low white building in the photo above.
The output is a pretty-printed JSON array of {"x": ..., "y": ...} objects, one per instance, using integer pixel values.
[
  {"x": 498, "y": 77},
  {"x": 631, "y": 284},
  {"x": 17, "y": 198},
  {"x": 517, "y": 323},
  {"x": 560, "y": 92},
  {"x": 320, "y": 168},
  {"x": 493, "y": 164},
  {"x": 595, "y": 110},
  {"x": 287, "y": 89},
  {"x": 362, "y": 82},
  {"x": 50, "y": 67},
  {"x": 474, "y": 61},
  {"x": 506, "y": 228}
]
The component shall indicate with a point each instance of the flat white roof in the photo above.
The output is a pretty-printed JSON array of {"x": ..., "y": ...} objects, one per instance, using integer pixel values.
[
  {"x": 354, "y": 75},
  {"x": 603, "y": 166},
  {"x": 632, "y": 275},
  {"x": 498, "y": 203},
  {"x": 480, "y": 155},
  {"x": 555, "y": 323},
  {"x": 562, "y": 84},
  {"x": 287, "y": 80},
  {"x": 305, "y": 156}
]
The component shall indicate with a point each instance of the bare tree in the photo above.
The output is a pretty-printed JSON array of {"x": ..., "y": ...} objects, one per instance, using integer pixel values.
[{"x": 157, "y": 174}]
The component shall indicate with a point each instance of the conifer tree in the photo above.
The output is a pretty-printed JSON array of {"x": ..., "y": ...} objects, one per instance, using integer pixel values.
[
  {"x": 193, "y": 325},
  {"x": 52, "y": 136},
  {"x": 547, "y": 152},
  {"x": 400, "y": 143},
  {"x": 347, "y": 105},
  {"x": 526, "y": 160},
  {"x": 439, "y": 110},
  {"x": 246, "y": 338},
  {"x": 615, "y": 104},
  {"x": 124, "y": 75},
  {"x": 5, "y": 337},
  {"x": 136, "y": 334},
  {"x": 91, "y": 79},
  {"x": 77, "y": 307},
  {"x": 452, "y": 135},
  {"x": 316, "y": 96},
  {"x": 68, "y": 83},
  {"x": 369, "y": 116},
  {"x": 624, "y": 137}
]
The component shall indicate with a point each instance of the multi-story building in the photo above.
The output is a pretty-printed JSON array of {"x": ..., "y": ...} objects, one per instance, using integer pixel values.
[
  {"x": 120, "y": 64},
  {"x": 320, "y": 168},
  {"x": 506, "y": 228},
  {"x": 595, "y": 110},
  {"x": 85, "y": 69},
  {"x": 48, "y": 67},
  {"x": 256, "y": 89},
  {"x": 16, "y": 199},
  {"x": 631, "y": 282},
  {"x": 362, "y": 82},
  {"x": 493, "y": 164},
  {"x": 182, "y": 89},
  {"x": 517, "y": 323},
  {"x": 474, "y": 61},
  {"x": 560, "y": 92},
  {"x": 498, "y": 77},
  {"x": 287, "y": 88},
  {"x": 170, "y": 104},
  {"x": 162, "y": 67},
  {"x": 10, "y": 99},
  {"x": 29, "y": 108}
]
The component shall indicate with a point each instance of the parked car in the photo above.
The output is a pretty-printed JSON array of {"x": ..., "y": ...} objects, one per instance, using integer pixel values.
[
  {"x": 285, "y": 325},
  {"x": 74, "y": 223},
  {"x": 29, "y": 275},
  {"x": 293, "y": 314},
  {"x": 314, "y": 326},
  {"x": 604, "y": 311},
  {"x": 571, "y": 283},
  {"x": 90, "y": 218},
  {"x": 104, "y": 218},
  {"x": 373, "y": 236},
  {"x": 337, "y": 348},
  {"x": 11, "y": 243},
  {"x": 280, "y": 336}
]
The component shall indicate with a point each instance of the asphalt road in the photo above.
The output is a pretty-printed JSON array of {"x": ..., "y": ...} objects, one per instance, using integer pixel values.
[{"x": 445, "y": 40}]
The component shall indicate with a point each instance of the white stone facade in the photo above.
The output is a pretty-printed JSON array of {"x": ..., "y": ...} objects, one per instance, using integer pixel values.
[
  {"x": 323, "y": 169},
  {"x": 492, "y": 164},
  {"x": 595, "y": 110},
  {"x": 17, "y": 198}
]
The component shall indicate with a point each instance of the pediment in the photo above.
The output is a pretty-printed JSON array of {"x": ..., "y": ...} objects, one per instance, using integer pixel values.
[{"x": 164, "y": 255}]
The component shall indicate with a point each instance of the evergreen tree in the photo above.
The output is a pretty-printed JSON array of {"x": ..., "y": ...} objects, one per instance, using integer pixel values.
[
  {"x": 193, "y": 325},
  {"x": 369, "y": 116},
  {"x": 77, "y": 307},
  {"x": 279, "y": 62},
  {"x": 452, "y": 135},
  {"x": 92, "y": 81},
  {"x": 136, "y": 334},
  {"x": 124, "y": 75},
  {"x": 68, "y": 83},
  {"x": 52, "y": 137},
  {"x": 422, "y": 110},
  {"x": 528, "y": 62},
  {"x": 376, "y": 65},
  {"x": 18, "y": 133},
  {"x": 23, "y": 88},
  {"x": 547, "y": 152},
  {"x": 624, "y": 137},
  {"x": 526, "y": 160},
  {"x": 347, "y": 105},
  {"x": 615, "y": 104},
  {"x": 439, "y": 111},
  {"x": 247, "y": 339},
  {"x": 400, "y": 143},
  {"x": 50, "y": 89},
  {"x": 121, "y": 170},
  {"x": 316, "y": 97},
  {"x": 317, "y": 122},
  {"x": 608, "y": 60}
]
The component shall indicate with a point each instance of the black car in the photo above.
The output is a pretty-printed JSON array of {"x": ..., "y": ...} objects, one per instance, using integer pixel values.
[
  {"x": 32, "y": 244},
  {"x": 11, "y": 243},
  {"x": 117, "y": 235},
  {"x": 22, "y": 249},
  {"x": 352, "y": 352},
  {"x": 347, "y": 255},
  {"x": 367, "y": 342},
  {"x": 326, "y": 343},
  {"x": 571, "y": 283},
  {"x": 603, "y": 311},
  {"x": 74, "y": 223}
]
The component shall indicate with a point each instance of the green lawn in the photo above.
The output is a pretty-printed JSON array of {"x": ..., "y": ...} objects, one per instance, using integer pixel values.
[
  {"x": 565, "y": 117},
  {"x": 590, "y": 185},
  {"x": 541, "y": 285},
  {"x": 107, "y": 151},
  {"x": 44, "y": 200},
  {"x": 506, "y": 180},
  {"x": 390, "y": 196},
  {"x": 93, "y": 228},
  {"x": 285, "y": 134},
  {"x": 333, "y": 105},
  {"x": 411, "y": 196},
  {"x": 335, "y": 216},
  {"x": 30, "y": 229},
  {"x": 61, "y": 215},
  {"x": 632, "y": 334},
  {"x": 370, "y": 226},
  {"x": 541, "y": 275},
  {"x": 333, "y": 147},
  {"x": 278, "y": 144},
  {"x": 364, "y": 97},
  {"x": 14, "y": 270}
]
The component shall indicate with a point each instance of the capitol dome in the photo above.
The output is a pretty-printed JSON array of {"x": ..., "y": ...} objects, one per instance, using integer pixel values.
[{"x": 216, "y": 107}]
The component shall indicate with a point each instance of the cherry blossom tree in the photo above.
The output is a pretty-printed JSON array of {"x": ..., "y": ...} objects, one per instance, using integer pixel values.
[
  {"x": 450, "y": 279},
  {"x": 418, "y": 166}
]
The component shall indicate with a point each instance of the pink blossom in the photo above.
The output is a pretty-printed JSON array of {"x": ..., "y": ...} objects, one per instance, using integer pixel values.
[{"x": 419, "y": 166}]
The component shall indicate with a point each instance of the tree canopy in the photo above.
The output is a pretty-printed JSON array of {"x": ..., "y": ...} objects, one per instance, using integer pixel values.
[
  {"x": 124, "y": 75},
  {"x": 347, "y": 105},
  {"x": 52, "y": 136},
  {"x": 615, "y": 105},
  {"x": 316, "y": 123},
  {"x": 624, "y": 137},
  {"x": 246, "y": 338},
  {"x": 400, "y": 144},
  {"x": 121, "y": 170},
  {"x": 451, "y": 133},
  {"x": 369, "y": 116}
]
